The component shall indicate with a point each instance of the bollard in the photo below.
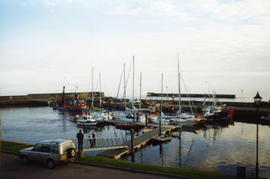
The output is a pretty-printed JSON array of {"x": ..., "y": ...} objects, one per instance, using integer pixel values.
[
  {"x": 132, "y": 145},
  {"x": 159, "y": 127},
  {"x": 241, "y": 172},
  {"x": 146, "y": 118}
]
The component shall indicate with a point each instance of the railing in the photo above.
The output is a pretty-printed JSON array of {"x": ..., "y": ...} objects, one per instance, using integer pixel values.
[{"x": 100, "y": 143}]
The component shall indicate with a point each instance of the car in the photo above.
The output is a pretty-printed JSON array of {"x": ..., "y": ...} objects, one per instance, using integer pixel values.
[{"x": 50, "y": 152}]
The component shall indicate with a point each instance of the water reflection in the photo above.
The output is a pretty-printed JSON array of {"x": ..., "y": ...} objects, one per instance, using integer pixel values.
[{"x": 215, "y": 147}]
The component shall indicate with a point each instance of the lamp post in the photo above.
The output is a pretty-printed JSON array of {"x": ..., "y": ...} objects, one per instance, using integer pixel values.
[{"x": 257, "y": 101}]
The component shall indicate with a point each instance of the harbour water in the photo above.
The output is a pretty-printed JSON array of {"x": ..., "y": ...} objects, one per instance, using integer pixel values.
[{"x": 214, "y": 148}]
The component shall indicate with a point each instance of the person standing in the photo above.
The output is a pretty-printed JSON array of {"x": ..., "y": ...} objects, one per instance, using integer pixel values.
[
  {"x": 80, "y": 140},
  {"x": 94, "y": 139}
]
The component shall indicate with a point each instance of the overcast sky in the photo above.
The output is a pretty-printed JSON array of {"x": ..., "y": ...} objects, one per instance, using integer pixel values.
[{"x": 222, "y": 44}]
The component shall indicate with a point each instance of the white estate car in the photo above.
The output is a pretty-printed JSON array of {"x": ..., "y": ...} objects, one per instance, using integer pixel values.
[{"x": 50, "y": 152}]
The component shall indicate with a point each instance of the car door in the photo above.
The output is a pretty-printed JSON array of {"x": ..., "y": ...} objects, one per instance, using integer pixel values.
[
  {"x": 55, "y": 153},
  {"x": 35, "y": 154},
  {"x": 45, "y": 152}
]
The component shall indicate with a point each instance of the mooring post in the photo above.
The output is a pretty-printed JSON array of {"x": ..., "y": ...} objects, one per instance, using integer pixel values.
[
  {"x": 159, "y": 127},
  {"x": 134, "y": 117},
  {"x": 132, "y": 144},
  {"x": 180, "y": 148},
  {"x": 146, "y": 118},
  {"x": 241, "y": 172}
]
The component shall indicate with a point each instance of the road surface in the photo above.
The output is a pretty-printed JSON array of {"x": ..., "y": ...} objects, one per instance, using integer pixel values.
[{"x": 12, "y": 168}]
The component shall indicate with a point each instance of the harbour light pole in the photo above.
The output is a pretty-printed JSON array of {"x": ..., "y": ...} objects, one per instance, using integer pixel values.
[{"x": 257, "y": 101}]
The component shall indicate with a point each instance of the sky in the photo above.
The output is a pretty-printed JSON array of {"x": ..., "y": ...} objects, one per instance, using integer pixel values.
[{"x": 223, "y": 46}]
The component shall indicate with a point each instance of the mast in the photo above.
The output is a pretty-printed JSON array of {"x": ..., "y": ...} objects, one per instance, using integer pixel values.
[
  {"x": 63, "y": 96},
  {"x": 133, "y": 82},
  {"x": 125, "y": 95},
  {"x": 100, "y": 90},
  {"x": 179, "y": 89},
  {"x": 140, "y": 90},
  {"x": 92, "y": 102},
  {"x": 161, "y": 100}
]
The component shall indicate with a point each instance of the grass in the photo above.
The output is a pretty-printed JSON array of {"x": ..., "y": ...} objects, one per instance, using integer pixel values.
[
  {"x": 153, "y": 168},
  {"x": 8, "y": 146}
]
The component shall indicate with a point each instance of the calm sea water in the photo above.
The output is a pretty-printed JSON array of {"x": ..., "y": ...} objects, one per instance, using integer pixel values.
[{"x": 216, "y": 148}]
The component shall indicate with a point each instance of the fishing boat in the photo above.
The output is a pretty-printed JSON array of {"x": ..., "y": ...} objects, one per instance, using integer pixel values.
[
  {"x": 214, "y": 112},
  {"x": 86, "y": 120},
  {"x": 70, "y": 103}
]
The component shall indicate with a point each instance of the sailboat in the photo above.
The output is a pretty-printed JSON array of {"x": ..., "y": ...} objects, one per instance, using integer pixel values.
[
  {"x": 182, "y": 117},
  {"x": 99, "y": 116},
  {"x": 129, "y": 115},
  {"x": 161, "y": 118},
  {"x": 161, "y": 138}
]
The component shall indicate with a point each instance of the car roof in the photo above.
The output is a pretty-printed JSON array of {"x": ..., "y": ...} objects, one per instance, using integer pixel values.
[{"x": 58, "y": 141}]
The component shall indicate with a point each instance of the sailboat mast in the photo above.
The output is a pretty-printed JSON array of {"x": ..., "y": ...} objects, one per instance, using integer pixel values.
[
  {"x": 161, "y": 99},
  {"x": 179, "y": 89},
  {"x": 125, "y": 95},
  {"x": 92, "y": 102},
  {"x": 140, "y": 89},
  {"x": 133, "y": 82},
  {"x": 99, "y": 89}
]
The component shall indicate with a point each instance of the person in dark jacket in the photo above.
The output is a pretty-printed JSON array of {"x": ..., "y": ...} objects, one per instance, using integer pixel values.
[
  {"x": 80, "y": 140},
  {"x": 94, "y": 139}
]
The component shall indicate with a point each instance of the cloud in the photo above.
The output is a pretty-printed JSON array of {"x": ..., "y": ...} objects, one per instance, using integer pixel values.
[
  {"x": 207, "y": 11},
  {"x": 235, "y": 10},
  {"x": 49, "y": 3},
  {"x": 157, "y": 8}
]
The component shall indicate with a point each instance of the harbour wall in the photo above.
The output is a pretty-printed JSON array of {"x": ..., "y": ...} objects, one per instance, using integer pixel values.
[{"x": 245, "y": 112}]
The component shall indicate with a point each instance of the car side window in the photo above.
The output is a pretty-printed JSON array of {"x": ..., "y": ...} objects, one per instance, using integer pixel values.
[
  {"x": 55, "y": 149},
  {"x": 46, "y": 148},
  {"x": 38, "y": 147}
]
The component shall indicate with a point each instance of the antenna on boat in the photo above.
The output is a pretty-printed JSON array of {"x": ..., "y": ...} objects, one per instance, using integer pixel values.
[{"x": 179, "y": 89}]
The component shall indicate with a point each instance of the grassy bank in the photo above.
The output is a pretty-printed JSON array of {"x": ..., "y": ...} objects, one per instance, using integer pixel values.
[
  {"x": 8, "y": 146},
  {"x": 123, "y": 164}
]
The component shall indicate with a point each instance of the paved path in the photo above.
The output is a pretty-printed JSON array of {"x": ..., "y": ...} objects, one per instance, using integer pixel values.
[{"x": 11, "y": 168}]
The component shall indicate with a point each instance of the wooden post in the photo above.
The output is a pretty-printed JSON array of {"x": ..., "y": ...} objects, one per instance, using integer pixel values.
[
  {"x": 180, "y": 148},
  {"x": 159, "y": 127},
  {"x": 257, "y": 143},
  {"x": 132, "y": 144},
  {"x": 134, "y": 117},
  {"x": 146, "y": 120},
  {"x": 241, "y": 172}
]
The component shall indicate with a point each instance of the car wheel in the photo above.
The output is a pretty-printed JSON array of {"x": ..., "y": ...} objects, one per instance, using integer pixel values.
[
  {"x": 50, "y": 164},
  {"x": 71, "y": 153},
  {"x": 24, "y": 160}
]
